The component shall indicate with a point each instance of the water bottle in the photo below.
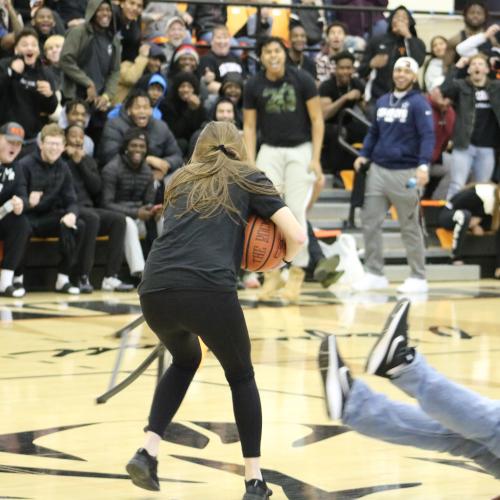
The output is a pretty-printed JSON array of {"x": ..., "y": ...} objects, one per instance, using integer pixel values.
[{"x": 411, "y": 183}]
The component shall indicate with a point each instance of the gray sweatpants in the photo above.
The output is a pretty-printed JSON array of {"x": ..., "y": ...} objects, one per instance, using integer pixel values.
[{"x": 386, "y": 187}]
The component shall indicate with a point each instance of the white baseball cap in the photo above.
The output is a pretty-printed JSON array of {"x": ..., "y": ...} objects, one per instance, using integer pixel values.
[{"x": 407, "y": 62}]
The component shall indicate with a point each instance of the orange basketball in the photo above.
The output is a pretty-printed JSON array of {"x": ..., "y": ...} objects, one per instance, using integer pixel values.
[{"x": 264, "y": 248}]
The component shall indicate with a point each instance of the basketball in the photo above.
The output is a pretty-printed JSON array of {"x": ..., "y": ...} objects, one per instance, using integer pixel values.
[{"x": 264, "y": 247}]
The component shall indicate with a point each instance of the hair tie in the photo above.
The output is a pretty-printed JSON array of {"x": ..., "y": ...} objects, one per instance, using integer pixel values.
[{"x": 221, "y": 147}]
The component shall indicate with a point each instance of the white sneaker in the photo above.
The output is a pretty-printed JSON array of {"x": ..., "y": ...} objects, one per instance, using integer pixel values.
[
  {"x": 370, "y": 282},
  {"x": 413, "y": 285},
  {"x": 113, "y": 284}
]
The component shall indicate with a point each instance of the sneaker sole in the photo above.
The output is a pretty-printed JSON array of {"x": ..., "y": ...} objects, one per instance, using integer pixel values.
[
  {"x": 329, "y": 371},
  {"x": 253, "y": 496},
  {"x": 140, "y": 477},
  {"x": 379, "y": 350}
]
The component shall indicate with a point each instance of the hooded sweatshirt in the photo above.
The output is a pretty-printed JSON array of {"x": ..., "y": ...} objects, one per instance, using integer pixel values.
[
  {"x": 182, "y": 120},
  {"x": 91, "y": 56},
  {"x": 402, "y": 134},
  {"x": 394, "y": 46}
]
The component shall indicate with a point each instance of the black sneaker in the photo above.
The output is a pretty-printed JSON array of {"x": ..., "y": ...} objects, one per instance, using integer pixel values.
[
  {"x": 337, "y": 380},
  {"x": 326, "y": 267},
  {"x": 84, "y": 284},
  {"x": 142, "y": 469},
  {"x": 391, "y": 353},
  {"x": 256, "y": 489}
]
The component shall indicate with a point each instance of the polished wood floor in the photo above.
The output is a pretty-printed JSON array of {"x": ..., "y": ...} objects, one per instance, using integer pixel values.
[{"x": 57, "y": 354}]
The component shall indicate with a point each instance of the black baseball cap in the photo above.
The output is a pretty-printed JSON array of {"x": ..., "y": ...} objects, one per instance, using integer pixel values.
[{"x": 13, "y": 132}]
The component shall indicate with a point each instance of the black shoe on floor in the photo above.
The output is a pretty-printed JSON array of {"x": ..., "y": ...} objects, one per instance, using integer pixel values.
[
  {"x": 12, "y": 291},
  {"x": 256, "y": 489},
  {"x": 391, "y": 353},
  {"x": 84, "y": 284},
  {"x": 337, "y": 380},
  {"x": 142, "y": 469}
]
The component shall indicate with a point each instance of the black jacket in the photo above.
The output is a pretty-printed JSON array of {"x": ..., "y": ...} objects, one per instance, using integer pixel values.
[
  {"x": 53, "y": 180},
  {"x": 19, "y": 99},
  {"x": 87, "y": 180},
  {"x": 395, "y": 46},
  {"x": 125, "y": 189},
  {"x": 462, "y": 93},
  {"x": 161, "y": 141},
  {"x": 205, "y": 17},
  {"x": 12, "y": 183}
]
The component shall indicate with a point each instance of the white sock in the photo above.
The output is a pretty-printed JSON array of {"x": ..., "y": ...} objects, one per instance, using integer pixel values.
[
  {"x": 6, "y": 276},
  {"x": 62, "y": 279},
  {"x": 152, "y": 443},
  {"x": 18, "y": 279}
]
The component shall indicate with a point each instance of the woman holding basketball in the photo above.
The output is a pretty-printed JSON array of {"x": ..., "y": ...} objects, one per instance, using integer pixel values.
[{"x": 189, "y": 289}]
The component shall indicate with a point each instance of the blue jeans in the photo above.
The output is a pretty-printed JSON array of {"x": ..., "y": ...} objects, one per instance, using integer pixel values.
[
  {"x": 449, "y": 418},
  {"x": 481, "y": 161}
]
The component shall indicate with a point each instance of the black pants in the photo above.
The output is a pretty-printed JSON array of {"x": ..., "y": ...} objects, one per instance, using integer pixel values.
[
  {"x": 101, "y": 222},
  {"x": 178, "y": 318},
  {"x": 49, "y": 224},
  {"x": 15, "y": 231},
  {"x": 458, "y": 221}
]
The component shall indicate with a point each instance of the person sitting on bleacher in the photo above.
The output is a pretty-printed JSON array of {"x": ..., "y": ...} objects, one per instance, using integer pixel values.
[
  {"x": 52, "y": 205},
  {"x": 98, "y": 221},
  {"x": 342, "y": 90},
  {"x": 163, "y": 152},
  {"x": 76, "y": 112},
  {"x": 219, "y": 61},
  {"x": 15, "y": 229},
  {"x": 47, "y": 23},
  {"x": 399, "y": 146},
  {"x": 477, "y": 129},
  {"x": 128, "y": 189},
  {"x": 336, "y": 34},
  {"x": 475, "y": 208}
]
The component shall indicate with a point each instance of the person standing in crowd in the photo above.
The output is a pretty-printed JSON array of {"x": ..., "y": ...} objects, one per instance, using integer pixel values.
[
  {"x": 98, "y": 221},
  {"x": 27, "y": 90},
  {"x": 399, "y": 147},
  {"x": 383, "y": 51},
  {"x": 90, "y": 61},
  {"x": 204, "y": 18},
  {"x": 52, "y": 204},
  {"x": 190, "y": 273},
  {"x": 296, "y": 55},
  {"x": 76, "y": 112},
  {"x": 477, "y": 129},
  {"x": 128, "y": 189},
  {"x": 449, "y": 418},
  {"x": 128, "y": 24},
  {"x": 475, "y": 16},
  {"x": 15, "y": 229},
  {"x": 282, "y": 104}
]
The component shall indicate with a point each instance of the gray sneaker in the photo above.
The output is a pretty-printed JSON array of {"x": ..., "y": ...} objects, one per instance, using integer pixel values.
[{"x": 113, "y": 284}]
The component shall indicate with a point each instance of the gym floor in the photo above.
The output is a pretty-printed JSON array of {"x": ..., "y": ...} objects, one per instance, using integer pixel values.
[{"x": 57, "y": 355}]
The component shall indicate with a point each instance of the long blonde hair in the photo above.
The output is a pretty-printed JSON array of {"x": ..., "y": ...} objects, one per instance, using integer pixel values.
[{"x": 219, "y": 159}]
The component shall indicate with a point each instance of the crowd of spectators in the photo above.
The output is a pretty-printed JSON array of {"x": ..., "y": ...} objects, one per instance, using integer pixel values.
[{"x": 111, "y": 96}]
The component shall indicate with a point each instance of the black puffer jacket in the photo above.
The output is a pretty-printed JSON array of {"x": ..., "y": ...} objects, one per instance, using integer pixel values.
[
  {"x": 161, "y": 141},
  {"x": 125, "y": 189}
]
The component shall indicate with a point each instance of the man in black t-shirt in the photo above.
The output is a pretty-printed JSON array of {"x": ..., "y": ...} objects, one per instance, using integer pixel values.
[
  {"x": 296, "y": 56},
  {"x": 282, "y": 104},
  {"x": 339, "y": 92}
]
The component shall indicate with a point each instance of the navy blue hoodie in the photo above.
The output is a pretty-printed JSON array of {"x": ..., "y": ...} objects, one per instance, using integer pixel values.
[{"x": 402, "y": 135}]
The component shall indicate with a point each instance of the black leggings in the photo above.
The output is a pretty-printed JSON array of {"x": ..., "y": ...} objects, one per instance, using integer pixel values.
[{"x": 178, "y": 318}]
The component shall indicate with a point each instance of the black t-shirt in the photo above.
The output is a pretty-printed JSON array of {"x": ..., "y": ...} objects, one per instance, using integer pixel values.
[
  {"x": 307, "y": 64},
  {"x": 468, "y": 199},
  {"x": 330, "y": 88},
  {"x": 204, "y": 254},
  {"x": 282, "y": 117},
  {"x": 220, "y": 65},
  {"x": 486, "y": 131}
]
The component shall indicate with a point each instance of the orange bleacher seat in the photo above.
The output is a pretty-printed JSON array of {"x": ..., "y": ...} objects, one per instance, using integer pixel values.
[
  {"x": 347, "y": 177},
  {"x": 445, "y": 237},
  {"x": 327, "y": 233}
]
